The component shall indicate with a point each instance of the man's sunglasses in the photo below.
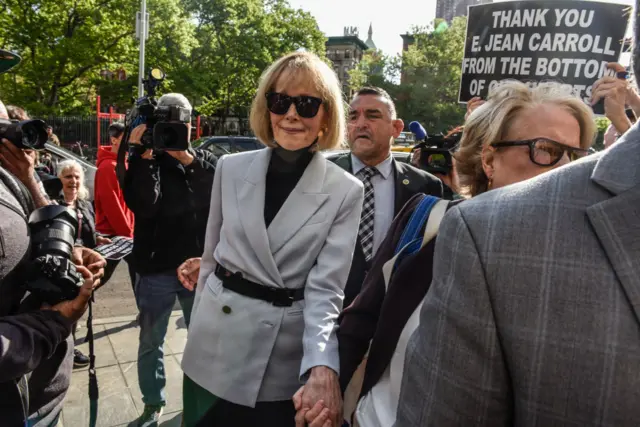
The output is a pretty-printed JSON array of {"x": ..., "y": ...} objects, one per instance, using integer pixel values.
[
  {"x": 306, "y": 106},
  {"x": 545, "y": 152}
]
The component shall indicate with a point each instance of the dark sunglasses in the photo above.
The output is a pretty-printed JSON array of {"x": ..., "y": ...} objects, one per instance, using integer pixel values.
[
  {"x": 306, "y": 106},
  {"x": 545, "y": 152}
]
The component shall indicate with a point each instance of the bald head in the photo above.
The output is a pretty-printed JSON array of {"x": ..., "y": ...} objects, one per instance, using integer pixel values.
[{"x": 3, "y": 112}]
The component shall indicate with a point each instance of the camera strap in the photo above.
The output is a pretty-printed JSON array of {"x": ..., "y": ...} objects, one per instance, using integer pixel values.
[{"x": 93, "y": 379}]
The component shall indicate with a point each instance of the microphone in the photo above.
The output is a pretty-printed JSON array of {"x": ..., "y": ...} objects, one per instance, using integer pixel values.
[{"x": 417, "y": 129}]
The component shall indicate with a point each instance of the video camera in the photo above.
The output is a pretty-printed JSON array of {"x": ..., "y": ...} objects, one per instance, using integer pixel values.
[
  {"x": 53, "y": 278},
  {"x": 27, "y": 135},
  {"x": 433, "y": 153},
  {"x": 162, "y": 133}
]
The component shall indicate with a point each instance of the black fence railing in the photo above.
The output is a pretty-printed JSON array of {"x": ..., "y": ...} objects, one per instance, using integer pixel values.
[{"x": 79, "y": 134}]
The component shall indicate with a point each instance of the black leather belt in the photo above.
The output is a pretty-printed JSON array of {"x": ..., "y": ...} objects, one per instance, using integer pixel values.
[{"x": 279, "y": 297}]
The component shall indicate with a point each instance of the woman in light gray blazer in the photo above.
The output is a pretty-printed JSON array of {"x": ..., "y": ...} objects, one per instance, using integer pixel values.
[{"x": 280, "y": 238}]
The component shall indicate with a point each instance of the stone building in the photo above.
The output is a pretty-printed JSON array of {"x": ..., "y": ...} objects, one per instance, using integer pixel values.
[{"x": 345, "y": 52}]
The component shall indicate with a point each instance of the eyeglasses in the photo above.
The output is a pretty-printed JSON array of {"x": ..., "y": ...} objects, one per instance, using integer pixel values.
[
  {"x": 306, "y": 106},
  {"x": 545, "y": 152}
]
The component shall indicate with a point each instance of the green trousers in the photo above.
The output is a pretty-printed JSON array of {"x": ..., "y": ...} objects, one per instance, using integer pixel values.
[{"x": 196, "y": 401}]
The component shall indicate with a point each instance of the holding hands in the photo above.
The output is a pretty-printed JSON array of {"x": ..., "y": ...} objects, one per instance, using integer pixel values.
[{"x": 319, "y": 402}]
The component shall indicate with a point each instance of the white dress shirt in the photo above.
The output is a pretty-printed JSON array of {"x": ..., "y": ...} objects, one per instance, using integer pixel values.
[{"x": 384, "y": 197}]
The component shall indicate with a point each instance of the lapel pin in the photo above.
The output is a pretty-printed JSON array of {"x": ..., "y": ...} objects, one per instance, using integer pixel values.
[{"x": 405, "y": 181}]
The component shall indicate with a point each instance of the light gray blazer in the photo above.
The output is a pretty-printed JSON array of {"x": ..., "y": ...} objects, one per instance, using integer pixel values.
[
  {"x": 258, "y": 352},
  {"x": 532, "y": 318}
]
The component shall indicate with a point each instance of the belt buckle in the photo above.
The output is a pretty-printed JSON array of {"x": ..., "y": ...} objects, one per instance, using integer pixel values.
[{"x": 278, "y": 301}]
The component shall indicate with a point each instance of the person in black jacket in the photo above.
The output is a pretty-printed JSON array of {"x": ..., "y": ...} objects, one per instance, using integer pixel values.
[
  {"x": 169, "y": 193},
  {"x": 35, "y": 350},
  {"x": 372, "y": 127}
]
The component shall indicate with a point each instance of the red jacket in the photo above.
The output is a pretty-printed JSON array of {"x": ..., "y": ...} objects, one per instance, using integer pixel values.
[{"x": 113, "y": 217}]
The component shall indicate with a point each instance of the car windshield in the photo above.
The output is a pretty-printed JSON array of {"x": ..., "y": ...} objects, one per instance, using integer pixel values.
[{"x": 245, "y": 144}]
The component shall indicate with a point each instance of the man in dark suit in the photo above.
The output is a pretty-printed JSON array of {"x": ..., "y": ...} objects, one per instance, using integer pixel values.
[{"x": 372, "y": 127}]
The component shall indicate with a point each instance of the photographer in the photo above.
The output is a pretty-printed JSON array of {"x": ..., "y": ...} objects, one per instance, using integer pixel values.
[
  {"x": 36, "y": 352},
  {"x": 169, "y": 192}
]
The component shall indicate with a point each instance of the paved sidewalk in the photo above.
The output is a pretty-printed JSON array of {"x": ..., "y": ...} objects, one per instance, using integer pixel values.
[{"x": 120, "y": 402}]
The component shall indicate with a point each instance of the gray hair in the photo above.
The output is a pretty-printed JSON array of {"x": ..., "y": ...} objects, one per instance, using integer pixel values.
[
  {"x": 174, "y": 100},
  {"x": 83, "y": 192}
]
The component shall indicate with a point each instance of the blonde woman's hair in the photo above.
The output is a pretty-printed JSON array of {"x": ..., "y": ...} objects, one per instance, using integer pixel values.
[
  {"x": 490, "y": 123},
  {"x": 83, "y": 192},
  {"x": 308, "y": 68}
]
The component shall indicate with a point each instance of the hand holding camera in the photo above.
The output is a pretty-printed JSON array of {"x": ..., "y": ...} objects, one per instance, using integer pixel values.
[
  {"x": 17, "y": 161},
  {"x": 75, "y": 308}
]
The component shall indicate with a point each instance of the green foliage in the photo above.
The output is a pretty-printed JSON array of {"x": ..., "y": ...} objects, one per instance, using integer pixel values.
[
  {"x": 602, "y": 123},
  {"x": 429, "y": 74},
  {"x": 237, "y": 40},
  {"x": 213, "y": 51},
  {"x": 65, "y": 44}
]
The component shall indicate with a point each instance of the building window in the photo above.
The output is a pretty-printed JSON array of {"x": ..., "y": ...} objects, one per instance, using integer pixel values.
[
  {"x": 346, "y": 72},
  {"x": 347, "y": 54}
]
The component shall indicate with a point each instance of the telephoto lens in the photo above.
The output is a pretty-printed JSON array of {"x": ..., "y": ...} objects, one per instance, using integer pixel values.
[
  {"x": 53, "y": 277},
  {"x": 27, "y": 135}
]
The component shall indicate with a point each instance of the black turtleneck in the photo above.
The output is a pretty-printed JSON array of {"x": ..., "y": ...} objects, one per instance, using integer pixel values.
[{"x": 285, "y": 170}]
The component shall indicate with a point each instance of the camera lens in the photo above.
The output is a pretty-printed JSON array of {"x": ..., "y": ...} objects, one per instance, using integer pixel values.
[
  {"x": 53, "y": 230},
  {"x": 168, "y": 137}
]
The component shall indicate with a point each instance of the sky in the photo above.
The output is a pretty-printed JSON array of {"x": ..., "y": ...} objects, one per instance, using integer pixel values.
[{"x": 390, "y": 18}]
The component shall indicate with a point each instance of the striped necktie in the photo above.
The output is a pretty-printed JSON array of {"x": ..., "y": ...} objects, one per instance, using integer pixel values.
[{"x": 368, "y": 207}]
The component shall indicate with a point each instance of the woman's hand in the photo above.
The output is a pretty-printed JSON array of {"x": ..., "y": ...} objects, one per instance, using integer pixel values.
[
  {"x": 100, "y": 240},
  {"x": 322, "y": 387},
  {"x": 614, "y": 92},
  {"x": 188, "y": 273}
]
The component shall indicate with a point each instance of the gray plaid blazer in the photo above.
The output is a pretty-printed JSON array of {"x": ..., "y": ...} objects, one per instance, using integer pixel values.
[{"x": 532, "y": 318}]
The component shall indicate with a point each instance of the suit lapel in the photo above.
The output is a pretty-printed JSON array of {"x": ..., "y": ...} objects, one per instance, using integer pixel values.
[
  {"x": 305, "y": 199},
  {"x": 616, "y": 221},
  {"x": 404, "y": 186},
  {"x": 345, "y": 162},
  {"x": 617, "y": 224},
  {"x": 250, "y": 194}
]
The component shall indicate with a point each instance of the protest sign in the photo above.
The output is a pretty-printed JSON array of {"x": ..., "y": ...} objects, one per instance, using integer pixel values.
[
  {"x": 534, "y": 41},
  {"x": 119, "y": 248}
]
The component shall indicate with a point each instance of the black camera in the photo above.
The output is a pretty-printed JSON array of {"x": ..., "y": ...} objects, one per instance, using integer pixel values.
[
  {"x": 163, "y": 133},
  {"x": 53, "y": 278},
  {"x": 434, "y": 153},
  {"x": 27, "y": 135}
]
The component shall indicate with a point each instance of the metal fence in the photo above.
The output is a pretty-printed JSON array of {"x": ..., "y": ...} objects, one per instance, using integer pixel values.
[{"x": 79, "y": 134}]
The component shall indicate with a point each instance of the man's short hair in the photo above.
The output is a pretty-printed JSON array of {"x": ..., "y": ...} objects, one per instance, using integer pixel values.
[
  {"x": 377, "y": 91},
  {"x": 116, "y": 129},
  {"x": 175, "y": 100}
]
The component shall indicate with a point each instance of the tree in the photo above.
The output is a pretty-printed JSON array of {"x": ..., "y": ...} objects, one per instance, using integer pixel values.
[
  {"x": 424, "y": 80},
  {"x": 432, "y": 71},
  {"x": 376, "y": 69},
  {"x": 238, "y": 39},
  {"x": 65, "y": 43}
]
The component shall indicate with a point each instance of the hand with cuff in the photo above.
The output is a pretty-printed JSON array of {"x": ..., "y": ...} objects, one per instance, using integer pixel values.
[{"x": 319, "y": 402}]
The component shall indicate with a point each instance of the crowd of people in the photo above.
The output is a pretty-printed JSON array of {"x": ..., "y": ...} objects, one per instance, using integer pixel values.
[{"x": 359, "y": 291}]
